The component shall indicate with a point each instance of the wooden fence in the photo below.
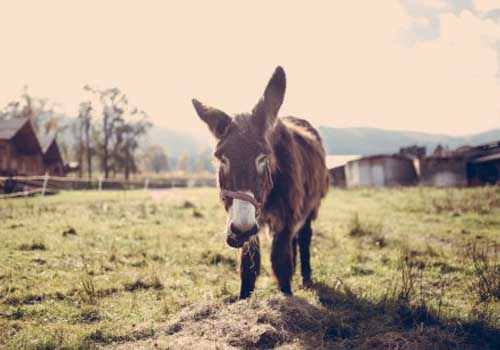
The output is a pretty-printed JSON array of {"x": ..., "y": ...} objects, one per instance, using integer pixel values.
[{"x": 33, "y": 185}]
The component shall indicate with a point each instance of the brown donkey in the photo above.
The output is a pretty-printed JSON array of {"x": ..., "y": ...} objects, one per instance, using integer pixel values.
[{"x": 271, "y": 172}]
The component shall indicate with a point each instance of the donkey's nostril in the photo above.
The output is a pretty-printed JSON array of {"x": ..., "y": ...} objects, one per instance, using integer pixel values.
[
  {"x": 236, "y": 237},
  {"x": 238, "y": 232},
  {"x": 234, "y": 230}
]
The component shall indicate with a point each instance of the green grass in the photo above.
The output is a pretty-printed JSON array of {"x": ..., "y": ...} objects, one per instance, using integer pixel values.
[{"x": 87, "y": 270}]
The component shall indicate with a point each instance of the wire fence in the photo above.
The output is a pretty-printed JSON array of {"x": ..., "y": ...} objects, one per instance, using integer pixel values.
[{"x": 23, "y": 186}]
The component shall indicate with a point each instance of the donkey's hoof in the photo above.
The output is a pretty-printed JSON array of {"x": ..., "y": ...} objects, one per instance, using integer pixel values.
[{"x": 308, "y": 284}]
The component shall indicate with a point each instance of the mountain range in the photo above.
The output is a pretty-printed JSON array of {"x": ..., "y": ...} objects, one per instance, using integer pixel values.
[{"x": 337, "y": 141}]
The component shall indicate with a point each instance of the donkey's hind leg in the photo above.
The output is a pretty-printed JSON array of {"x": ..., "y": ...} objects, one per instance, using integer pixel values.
[
  {"x": 295, "y": 242},
  {"x": 249, "y": 266},
  {"x": 304, "y": 237}
]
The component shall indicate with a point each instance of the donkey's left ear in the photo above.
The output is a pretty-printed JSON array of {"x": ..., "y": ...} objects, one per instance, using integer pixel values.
[
  {"x": 217, "y": 120},
  {"x": 266, "y": 110}
]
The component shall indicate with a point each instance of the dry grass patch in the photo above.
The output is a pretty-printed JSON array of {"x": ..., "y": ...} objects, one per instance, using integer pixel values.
[{"x": 253, "y": 324}]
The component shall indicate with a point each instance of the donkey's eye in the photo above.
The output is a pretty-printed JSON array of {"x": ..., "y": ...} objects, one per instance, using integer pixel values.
[
  {"x": 224, "y": 163},
  {"x": 261, "y": 163}
]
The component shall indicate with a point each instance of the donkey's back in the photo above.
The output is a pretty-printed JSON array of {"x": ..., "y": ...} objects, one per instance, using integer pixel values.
[{"x": 301, "y": 162}]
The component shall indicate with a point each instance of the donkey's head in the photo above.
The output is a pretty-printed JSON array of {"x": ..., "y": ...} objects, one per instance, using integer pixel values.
[{"x": 245, "y": 158}]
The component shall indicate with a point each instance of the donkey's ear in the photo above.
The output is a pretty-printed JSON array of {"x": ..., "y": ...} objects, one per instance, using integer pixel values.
[
  {"x": 266, "y": 110},
  {"x": 217, "y": 120}
]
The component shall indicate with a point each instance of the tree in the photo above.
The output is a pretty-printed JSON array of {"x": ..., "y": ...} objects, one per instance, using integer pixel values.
[
  {"x": 39, "y": 110},
  {"x": 183, "y": 162},
  {"x": 156, "y": 159},
  {"x": 128, "y": 133},
  {"x": 118, "y": 135},
  {"x": 113, "y": 104},
  {"x": 78, "y": 145},
  {"x": 204, "y": 161},
  {"x": 85, "y": 119}
]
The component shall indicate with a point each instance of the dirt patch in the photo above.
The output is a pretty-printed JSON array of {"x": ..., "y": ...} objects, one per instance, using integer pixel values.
[
  {"x": 69, "y": 232},
  {"x": 153, "y": 283},
  {"x": 33, "y": 246}
]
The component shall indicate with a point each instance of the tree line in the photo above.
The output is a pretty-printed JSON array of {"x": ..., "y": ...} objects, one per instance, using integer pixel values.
[{"x": 107, "y": 135}]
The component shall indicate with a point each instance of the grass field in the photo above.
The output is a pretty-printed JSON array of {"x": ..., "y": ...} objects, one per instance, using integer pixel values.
[{"x": 394, "y": 269}]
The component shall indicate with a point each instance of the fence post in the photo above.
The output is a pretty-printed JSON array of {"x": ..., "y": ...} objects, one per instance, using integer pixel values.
[
  {"x": 146, "y": 184},
  {"x": 100, "y": 183},
  {"x": 45, "y": 182}
]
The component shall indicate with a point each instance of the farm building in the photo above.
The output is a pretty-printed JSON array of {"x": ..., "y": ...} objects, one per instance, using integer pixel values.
[
  {"x": 52, "y": 159},
  {"x": 465, "y": 166},
  {"x": 445, "y": 171},
  {"x": 381, "y": 170},
  {"x": 484, "y": 170},
  {"x": 20, "y": 151},
  {"x": 337, "y": 176},
  {"x": 483, "y": 166}
]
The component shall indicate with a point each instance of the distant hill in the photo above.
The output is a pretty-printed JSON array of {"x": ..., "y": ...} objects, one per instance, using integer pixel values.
[
  {"x": 364, "y": 141},
  {"x": 338, "y": 141},
  {"x": 176, "y": 143}
]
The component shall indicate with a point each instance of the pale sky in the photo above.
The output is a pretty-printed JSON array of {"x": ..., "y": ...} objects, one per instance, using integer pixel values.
[{"x": 428, "y": 65}]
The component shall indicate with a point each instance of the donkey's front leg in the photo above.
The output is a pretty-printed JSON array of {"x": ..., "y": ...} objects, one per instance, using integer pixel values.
[
  {"x": 249, "y": 266},
  {"x": 282, "y": 260}
]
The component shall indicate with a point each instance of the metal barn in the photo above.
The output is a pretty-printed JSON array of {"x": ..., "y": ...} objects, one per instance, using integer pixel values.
[{"x": 381, "y": 171}]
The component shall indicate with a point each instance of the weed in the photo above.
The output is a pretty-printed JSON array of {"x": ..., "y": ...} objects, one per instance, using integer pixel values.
[
  {"x": 88, "y": 292},
  {"x": 486, "y": 270},
  {"x": 359, "y": 229}
]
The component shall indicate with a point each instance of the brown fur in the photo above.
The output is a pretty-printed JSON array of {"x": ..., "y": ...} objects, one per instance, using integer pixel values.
[{"x": 290, "y": 194}]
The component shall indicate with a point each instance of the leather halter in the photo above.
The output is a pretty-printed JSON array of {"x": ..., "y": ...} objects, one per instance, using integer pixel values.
[{"x": 240, "y": 195}]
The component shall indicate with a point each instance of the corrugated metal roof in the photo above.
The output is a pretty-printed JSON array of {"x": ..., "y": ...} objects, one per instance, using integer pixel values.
[
  {"x": 9, "y": 128},
  {"x": 380, "y": 156},
  {"x": 489, "y": 158},
  {"x": 333, "y": 161}
]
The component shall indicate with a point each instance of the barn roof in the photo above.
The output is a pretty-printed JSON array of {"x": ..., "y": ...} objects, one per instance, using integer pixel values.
[
  {"x": 380, "y": 157},
  {"x": 10, "y": 127},
  {"x": 50, "y": 148},
  {"x": 46, "y": 141}
]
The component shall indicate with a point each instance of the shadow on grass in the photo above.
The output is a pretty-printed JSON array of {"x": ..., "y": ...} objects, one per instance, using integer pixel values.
[{"x": 397, "y": 323}]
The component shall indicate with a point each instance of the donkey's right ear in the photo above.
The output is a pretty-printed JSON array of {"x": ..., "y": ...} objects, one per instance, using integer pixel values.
[{"x": 217, "y": 120}]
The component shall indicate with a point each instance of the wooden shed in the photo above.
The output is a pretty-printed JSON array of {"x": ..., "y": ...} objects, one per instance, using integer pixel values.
[
  {"x": 20, "y": 150},
  {"x": 52, "y": 158}
]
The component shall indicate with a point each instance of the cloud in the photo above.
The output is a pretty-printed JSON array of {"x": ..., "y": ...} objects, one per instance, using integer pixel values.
[
  {"x": 426, "y": 21},
  {"x": 486, "y": 5}
]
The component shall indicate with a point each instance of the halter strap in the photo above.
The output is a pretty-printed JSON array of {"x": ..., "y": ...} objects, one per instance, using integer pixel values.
[{"x": 240, "y": 195}]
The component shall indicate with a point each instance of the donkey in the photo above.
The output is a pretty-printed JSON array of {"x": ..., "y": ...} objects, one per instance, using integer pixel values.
[{"x": 271, "y": 172}]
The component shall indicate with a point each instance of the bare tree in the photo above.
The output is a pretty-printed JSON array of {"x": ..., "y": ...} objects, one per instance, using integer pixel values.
[
  {"x": 128, "y": 133},
  {"x": 113, "y": 104},
  {"x": 85, "y": 118},
  {"x": 119, "y": 132},
  {"x": 39, "y": 110}
]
